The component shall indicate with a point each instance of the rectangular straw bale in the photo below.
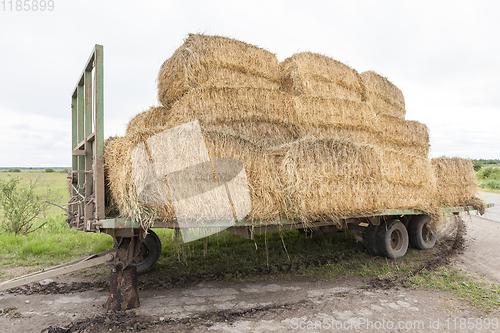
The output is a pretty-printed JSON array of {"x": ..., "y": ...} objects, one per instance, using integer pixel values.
[
  {"x": 262, "y": 116},
  {"x": 408, "y": 136},
  {"x": 395, "y": 195},
  {"x": 121, "y": 185},
  {"x": 263, "y": 179},
  {"x": 408, "y": 180},
  {"x": 120, "y": 181},
  {"x": 212, "y": 105},
  {"x": 323, "y": 111},
  {"x": 383, "y": 95},
  {"x": 115, "y": 166},
  {"x": 215, "y": 61},
  {"x": 314, "y": 74},
  {"x": 118, "y": 185},
  {"x": 328, "y": 178},
  {"x": 264, "y": 134},
  {"x": 155, "y": 116},
  {"x": 362, "y": 136},
  {"x": 399, "y": 167},
  {"x": 384, "y": 107},
  {"x": 456, "y": 181}
]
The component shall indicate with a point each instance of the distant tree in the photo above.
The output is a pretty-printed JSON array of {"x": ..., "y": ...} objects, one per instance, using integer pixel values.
[
  {"x": 14, "y": 170},
  {"x": 492, "y": 161},
  {"x": 477, "y": 165},
  {"x": 48, "y": 170}
]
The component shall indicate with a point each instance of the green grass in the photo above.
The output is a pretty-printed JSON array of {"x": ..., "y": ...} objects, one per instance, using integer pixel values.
[
  {"x": 228, "y": 257},
  {"x": 489, "y": 178},
  {"x": 481, "y": 295},
  {"x": 53, "y": 244}
]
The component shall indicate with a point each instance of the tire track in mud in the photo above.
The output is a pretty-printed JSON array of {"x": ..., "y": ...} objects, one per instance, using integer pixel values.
[
  {"x": 176, "y": 281},
  {"x": 129, "y": 320}
]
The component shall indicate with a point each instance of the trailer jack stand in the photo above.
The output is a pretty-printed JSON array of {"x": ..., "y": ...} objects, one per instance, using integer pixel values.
[{"x": 124, "y": 289}]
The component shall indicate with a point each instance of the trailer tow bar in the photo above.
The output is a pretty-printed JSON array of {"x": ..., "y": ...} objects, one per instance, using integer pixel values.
[{"x": 93, "y": 260}]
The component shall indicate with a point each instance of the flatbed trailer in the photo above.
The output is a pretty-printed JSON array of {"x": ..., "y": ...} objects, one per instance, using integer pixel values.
[{"x": 388, "y": 232}]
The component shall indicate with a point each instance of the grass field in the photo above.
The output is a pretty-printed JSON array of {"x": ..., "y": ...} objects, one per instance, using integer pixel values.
[{"x": 227, "y": 257}]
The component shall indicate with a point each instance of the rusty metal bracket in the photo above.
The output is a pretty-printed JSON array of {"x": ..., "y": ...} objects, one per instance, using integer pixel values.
[
  {"x": 127, "y": 244},
  {"x": 375, "y": 220}
]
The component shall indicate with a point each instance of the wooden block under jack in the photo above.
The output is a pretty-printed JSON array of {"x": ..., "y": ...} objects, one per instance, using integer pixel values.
[{"x": 124, "y": 290}]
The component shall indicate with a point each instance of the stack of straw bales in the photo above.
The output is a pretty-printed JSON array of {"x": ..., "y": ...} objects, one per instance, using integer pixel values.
[
  {"x": 328, "y": 98},
  {"x": 332, "y": 100},
  {"x": 229, "y": 86},
  {"x": 232, "y": 89},
  {"x": 263, "y": 179},
  {"x": 317, "y": 139},
  {"x": 260, "y": 115}
]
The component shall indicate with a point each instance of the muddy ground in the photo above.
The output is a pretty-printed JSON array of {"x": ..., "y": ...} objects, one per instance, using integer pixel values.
[{"x": 74, "y": 304}]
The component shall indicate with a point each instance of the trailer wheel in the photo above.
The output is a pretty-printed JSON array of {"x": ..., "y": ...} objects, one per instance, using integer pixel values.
[
  {"x": 392, "y": 239},
  {"x": 371, "y": 239},
  {"x": 422, "y": 235},
  {"x": 150, "y": 252}
]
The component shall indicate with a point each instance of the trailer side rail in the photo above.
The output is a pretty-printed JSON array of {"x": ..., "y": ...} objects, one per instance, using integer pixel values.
[
  {"x": 126, "y": 223},
  {"x": 87, "y": 176}
]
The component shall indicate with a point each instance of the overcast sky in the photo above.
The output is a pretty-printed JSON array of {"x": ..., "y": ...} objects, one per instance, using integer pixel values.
[{"x": 443, "y": 55}]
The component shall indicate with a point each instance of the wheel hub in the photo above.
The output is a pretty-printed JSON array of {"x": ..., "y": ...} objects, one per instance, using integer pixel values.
[
  {"x": 397, "y": 240},
  {"x": 427, "y": 233}
]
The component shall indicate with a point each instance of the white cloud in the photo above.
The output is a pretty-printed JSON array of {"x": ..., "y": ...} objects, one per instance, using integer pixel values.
[
  {"x": 34, "y": 140},
  {"x": 443, "y": 55}
]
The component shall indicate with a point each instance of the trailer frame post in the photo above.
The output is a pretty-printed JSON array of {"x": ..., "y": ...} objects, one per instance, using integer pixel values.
[{"x": 87, "y": 205}]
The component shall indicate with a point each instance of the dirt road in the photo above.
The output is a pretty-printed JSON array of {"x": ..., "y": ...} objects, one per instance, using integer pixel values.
[
  {"x": 493, "y": 213},
  {"x": 483, "y": 238},
  {"x": 276, "y": 306},
  {"x": 299, "y": 304}
]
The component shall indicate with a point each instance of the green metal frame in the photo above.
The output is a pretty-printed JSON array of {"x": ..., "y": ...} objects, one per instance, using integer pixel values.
[{"x": 87, "y": 108}]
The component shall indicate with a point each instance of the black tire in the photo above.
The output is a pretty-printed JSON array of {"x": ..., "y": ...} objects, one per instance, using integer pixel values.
[
  {"x": 371, "y": 239},
  {"x": 422, "y": 235},
  {"x": 406, "y": 222},
  {"x": 392, "y": 239},
  {"x": 150, "y": 252}
]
